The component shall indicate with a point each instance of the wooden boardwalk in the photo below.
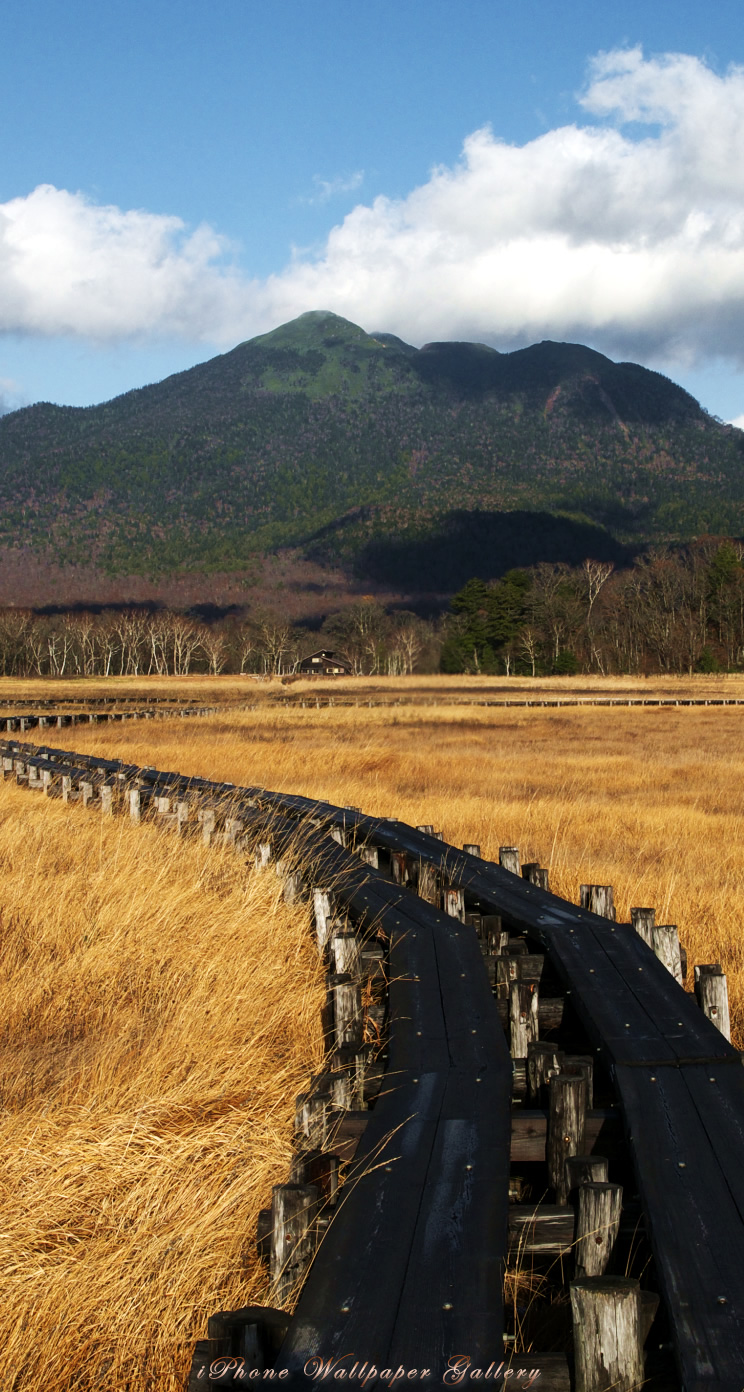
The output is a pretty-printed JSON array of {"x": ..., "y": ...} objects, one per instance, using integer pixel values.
[{"x": 411, "y": 1267}]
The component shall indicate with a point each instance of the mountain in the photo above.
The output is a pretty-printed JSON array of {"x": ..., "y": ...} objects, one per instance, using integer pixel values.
[{"x": 360, "y": 452}]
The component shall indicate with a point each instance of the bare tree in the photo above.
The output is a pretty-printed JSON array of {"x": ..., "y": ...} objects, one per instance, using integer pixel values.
[{"x": 215, "y": 648}]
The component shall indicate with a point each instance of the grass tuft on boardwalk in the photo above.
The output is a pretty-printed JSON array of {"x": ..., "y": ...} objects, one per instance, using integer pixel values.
[{"x": 160, "y": 1011}]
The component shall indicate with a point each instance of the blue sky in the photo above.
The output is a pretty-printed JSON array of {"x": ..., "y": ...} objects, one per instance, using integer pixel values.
[{"x": 176, "y": 177}]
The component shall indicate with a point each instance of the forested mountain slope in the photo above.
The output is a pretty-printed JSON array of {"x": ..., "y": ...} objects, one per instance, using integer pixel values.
[{"x": 359, "y": 449}]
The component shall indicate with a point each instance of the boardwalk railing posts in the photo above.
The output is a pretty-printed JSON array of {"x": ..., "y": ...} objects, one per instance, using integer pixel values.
[
  {"x": 597, "y": 1227},
  {"x": 598, "y": 899},
  {"x": 566, "y": 1128},
  {"x": 509, "y": 858},
  {"x": 607, "y": 1325},
  {"x": 472, "y": 849},
  {"x": 293, "y": 1209},
  {"x": 135, "y": 809},
  {"x": 711, "y": 991},
  {"x": 666, "y": 947},
  {"x": 643, "y": 921}
]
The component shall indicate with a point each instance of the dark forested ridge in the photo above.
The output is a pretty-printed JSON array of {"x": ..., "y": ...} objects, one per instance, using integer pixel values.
[{"x": 371, "y": 455}]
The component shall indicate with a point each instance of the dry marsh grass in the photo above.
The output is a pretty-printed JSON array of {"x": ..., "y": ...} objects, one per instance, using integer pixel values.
[
  {"x": 650, "y": 800},
  {"x": 160, "y": 1011},
  {"x": 160, "y": 1007}
]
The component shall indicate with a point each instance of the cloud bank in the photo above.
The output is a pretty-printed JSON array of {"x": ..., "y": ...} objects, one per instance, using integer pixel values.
[{"x": 626, "y": 229}]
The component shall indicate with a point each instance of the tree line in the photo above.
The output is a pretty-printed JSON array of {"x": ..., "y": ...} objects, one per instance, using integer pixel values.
[
  {"x": 674, "y": 610},
  {"x": 132, "y": 642}
]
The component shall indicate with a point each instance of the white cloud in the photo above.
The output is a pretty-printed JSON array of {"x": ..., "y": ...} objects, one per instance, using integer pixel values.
[
  {"x": 11, "y": 396},
  {"x": 738, "y": 421},
  {"x": 325, "y": 189},
  {"x": 632, "y": 240}
]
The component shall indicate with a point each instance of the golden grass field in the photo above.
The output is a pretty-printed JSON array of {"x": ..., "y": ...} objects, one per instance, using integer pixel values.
[
  {"x": 160, "y": 1006},
  {"x": 160, "y": 1012}
]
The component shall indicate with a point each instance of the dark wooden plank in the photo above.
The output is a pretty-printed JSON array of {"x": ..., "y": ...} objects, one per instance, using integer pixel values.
[{"x": 694, "y": 1224}]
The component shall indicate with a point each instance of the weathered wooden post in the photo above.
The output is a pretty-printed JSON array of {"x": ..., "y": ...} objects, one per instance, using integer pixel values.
[
  {"x": 494, "y": 936},
  {"x": 345, "y": 949},
  {"x": 586, "y": 1169},
  {"x": 472, "y": 849},
  {"x": 347, "y": 1010},
  {"x": 608, "y": 1350},
  {"x": 536, "y": 874},
  {"x": 135, "y": 808},
  {"x": 428, "y": 885},
  {"x": 643, "y": 921},
  {"x": 543, "y": 1063},
  {"x": 399, "y": 867},
  {"x": 523, "y": 1021},
  {"x": 293, "y": 1209},
  {"x": 453, "y": 902},
  {"x": 263, "y": 854},
  {"x": 509, "y": 859},
  {"x": 598, "y": 899},
  {"x": 507, "y": 971},
  {"x": 107, "y": 799},
  {"x": 711, "y": 991},
  {"x": 600, "y": 1208},
  {"x": 370, "y": 856},
  {"x": 323, "y": 908},
  {"x": 566, "y": 1128},
  {"x": 583, "y": 1065},
  {"x": 666, "y": 947}
]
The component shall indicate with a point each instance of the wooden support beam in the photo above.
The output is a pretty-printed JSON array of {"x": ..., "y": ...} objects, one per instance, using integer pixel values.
[{"x": 540, "y": 1230}]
